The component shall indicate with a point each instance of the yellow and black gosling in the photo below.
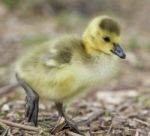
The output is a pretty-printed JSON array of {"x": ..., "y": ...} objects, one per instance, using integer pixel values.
[{"x": 70, "y": 66}]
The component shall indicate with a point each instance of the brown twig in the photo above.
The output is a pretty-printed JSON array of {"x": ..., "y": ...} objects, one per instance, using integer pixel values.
[
  {"x": 59, "y": 125},
  {"x": 142, "y": 122},
  {"x": 109, "y": 130},
  {"x": 94, "y": 116},
  {"x": 8, "y": 88},
  {"x": 25, "y": 127}
]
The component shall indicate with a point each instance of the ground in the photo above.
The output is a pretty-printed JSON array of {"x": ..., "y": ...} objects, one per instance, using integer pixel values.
[{"x": 119, "y": 108}]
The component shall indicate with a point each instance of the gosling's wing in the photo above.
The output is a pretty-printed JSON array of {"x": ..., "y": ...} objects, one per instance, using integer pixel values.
[{"x": 57, "y": 56}]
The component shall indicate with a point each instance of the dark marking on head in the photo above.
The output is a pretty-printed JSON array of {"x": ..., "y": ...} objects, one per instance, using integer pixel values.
[{"x": 110, "y": 25}]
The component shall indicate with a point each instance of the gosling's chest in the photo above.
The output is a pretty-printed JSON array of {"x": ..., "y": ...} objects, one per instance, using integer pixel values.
[{"x": 98, "y": 71}]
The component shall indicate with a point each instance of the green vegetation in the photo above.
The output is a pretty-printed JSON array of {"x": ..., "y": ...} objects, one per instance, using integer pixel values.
[{"x": 11, "y": 4}]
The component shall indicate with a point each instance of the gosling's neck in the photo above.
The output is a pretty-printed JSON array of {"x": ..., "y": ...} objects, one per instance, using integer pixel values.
[{"x": 89, "y": 48}]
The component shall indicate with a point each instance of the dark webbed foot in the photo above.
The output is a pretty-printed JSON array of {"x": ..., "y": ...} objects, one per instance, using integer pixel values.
[
  {"x": 73, "y": 127},
  {"x": 69, "y": 124},
  {"x": 32, "y": 102},
  {"x": 32, "y": 109}
]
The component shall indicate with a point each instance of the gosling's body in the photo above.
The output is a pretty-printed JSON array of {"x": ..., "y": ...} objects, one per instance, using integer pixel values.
[
  {"x": 61, "y": 69},
  {"x": 70, "y": 66}
]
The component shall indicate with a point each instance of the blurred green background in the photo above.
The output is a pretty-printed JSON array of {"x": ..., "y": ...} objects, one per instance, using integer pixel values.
[{"x": 31, "y": 22}]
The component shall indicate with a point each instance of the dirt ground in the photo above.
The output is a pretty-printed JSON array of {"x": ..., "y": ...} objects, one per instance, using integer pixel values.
[{"x": 119, "y": 108}]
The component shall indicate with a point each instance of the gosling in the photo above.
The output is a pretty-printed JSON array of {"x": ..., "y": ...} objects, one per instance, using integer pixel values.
[{"x": 67, "y": 67}]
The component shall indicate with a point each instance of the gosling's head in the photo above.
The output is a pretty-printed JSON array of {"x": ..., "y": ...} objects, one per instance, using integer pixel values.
[{"x": 103, "y": 36}]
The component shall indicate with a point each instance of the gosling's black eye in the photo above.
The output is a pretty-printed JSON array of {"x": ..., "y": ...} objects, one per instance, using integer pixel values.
[{"x": 106, "y": 39}]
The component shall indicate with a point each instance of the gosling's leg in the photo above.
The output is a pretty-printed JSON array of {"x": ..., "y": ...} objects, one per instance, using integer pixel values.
[
  {"x": 32, "y": 102},
  {"x": 61, "y": 112}
]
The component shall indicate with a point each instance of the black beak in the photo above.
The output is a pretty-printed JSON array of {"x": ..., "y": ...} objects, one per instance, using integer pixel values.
[{"x": 118, "y": 51}]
